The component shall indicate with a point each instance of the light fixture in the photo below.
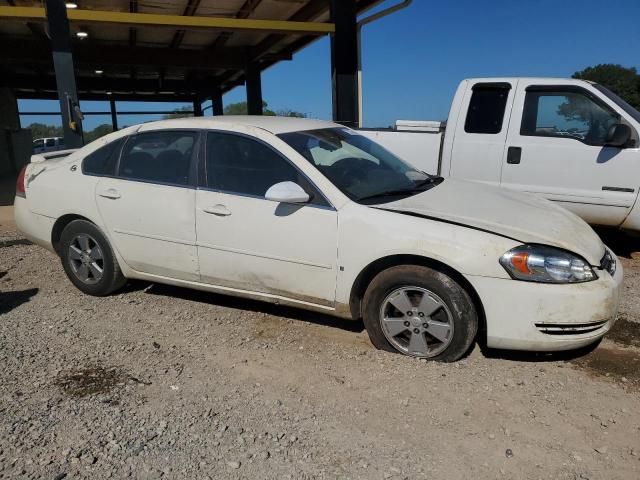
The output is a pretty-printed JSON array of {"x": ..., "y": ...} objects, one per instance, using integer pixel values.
[
  {"x": 109, "y": 93},
  {"x": 81, "y": 35},
  {"x": 99, "y": 72},
  {"x": 71, "y": 5}
]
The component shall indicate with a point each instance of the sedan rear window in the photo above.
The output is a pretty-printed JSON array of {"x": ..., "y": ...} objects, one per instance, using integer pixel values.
[{"x": 103, "y": 160}]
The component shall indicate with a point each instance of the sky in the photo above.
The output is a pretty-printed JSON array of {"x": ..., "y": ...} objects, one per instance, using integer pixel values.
[{"x": 414, "y": 59}]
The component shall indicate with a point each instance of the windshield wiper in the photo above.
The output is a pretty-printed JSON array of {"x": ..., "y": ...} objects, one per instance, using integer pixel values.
[{"x": 420, "y": 187}]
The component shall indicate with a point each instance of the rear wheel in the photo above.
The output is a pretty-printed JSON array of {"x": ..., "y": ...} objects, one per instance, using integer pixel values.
[
  {"x": 420, "y": 312},
  {"x": 88, "y": 260}
]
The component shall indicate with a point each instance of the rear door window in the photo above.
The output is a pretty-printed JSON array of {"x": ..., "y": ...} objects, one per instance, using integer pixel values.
[
  {"x": 486, "y": 108},
  {"x": 159, "y": 157}
]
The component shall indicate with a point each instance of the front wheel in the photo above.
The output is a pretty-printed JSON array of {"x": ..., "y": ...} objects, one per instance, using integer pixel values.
[
  {"x": 88, "y": 260},
  {"x": 421, "y": 312}
]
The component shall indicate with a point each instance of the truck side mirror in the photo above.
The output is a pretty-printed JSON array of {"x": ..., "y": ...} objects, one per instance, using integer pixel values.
[{"x": 618, "y": 135}]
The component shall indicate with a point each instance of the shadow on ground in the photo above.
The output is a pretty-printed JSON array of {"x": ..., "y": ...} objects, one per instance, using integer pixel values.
[
  {"x": 12, "y": 243},
  {"x": 11, "y": 300},
  {"x": 254, "y": 306},
  {"x": 622, "y": 243},
  {"x": 522, "y": 356},
  {"x": 617, "y": 364}
]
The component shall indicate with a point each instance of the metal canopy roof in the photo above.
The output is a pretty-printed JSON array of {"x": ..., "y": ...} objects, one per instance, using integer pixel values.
[{"x": 157, "y": 49}]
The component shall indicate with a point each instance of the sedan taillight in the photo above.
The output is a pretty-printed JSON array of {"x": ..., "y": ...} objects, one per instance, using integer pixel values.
[{"x": 21, "y": 191}]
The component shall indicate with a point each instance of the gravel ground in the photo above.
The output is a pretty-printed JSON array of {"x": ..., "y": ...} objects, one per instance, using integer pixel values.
[{"x": 163, "y": 382}]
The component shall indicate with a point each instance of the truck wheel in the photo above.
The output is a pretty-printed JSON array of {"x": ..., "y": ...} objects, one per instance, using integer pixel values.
[
  {"x": 420, "y": 312},
  {"x": 88, "y": 260}
]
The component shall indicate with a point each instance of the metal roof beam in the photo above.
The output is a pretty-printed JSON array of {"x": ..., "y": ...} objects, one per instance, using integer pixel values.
[
  {"x": 118, "y": 86},
  {"x": 133, "y": 97},
  {"x": 189, "y": 11},
  {"x": 37, "y": 14},
  {"x": 245, "y": 11},
  {"x": 15, "y": 51}
]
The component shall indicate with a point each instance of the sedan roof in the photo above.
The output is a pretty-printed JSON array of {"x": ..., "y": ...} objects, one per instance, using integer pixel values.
[{"x": 275, "y": 125}]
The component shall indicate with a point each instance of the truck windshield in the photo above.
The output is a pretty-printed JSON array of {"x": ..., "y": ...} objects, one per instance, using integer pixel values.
[
  {"x": 620, "y": 102},
  {"x": 359, "y": 167}
]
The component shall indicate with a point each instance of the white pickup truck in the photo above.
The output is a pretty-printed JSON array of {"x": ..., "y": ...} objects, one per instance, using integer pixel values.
[{"x": 571, "y": 141}]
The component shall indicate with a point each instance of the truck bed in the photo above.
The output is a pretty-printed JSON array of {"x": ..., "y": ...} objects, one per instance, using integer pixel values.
[{"x": 417, "y": 142}]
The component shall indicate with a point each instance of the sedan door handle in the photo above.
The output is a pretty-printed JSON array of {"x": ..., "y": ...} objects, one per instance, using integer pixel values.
[
  {"x": 111, "y": 193},
  {"x": 219, "y": 210}
]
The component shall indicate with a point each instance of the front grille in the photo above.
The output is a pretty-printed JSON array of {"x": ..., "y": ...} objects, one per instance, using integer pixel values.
[
  {"x": 608, "y": 263},
  {"x": 570, "y": 328}
]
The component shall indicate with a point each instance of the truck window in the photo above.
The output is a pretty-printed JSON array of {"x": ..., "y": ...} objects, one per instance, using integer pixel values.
[
  {"x": 569, "y": 114},
  {"x": 486, "y": 108}
]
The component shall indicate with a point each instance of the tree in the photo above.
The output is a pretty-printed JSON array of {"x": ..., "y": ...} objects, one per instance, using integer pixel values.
[
  {"x": 240, "y": 108},
  {"x": 40, "y": 130},
  {"x": 179, "y": 113},
  {"x": 623, "y": 81},
  {"x": 99, "y": 131}
]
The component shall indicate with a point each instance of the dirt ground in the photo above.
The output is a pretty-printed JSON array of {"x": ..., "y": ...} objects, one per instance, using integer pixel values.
[{"x": 163, "y": 382}]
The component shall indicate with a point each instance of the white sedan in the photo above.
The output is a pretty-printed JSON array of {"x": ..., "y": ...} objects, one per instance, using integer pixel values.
[{"x": 311, "y": 214}]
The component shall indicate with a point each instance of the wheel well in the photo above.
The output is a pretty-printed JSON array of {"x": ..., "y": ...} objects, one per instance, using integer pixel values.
[
  {"x": 370, "y": 271},
  {"x": 59, "y": 226}
]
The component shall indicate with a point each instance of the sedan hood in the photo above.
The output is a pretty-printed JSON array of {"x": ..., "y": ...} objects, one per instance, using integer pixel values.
[{"x": 520, "y": 216}]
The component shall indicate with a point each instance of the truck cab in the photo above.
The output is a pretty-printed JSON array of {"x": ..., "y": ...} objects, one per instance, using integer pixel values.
[
  {"x": 571, "y": 141},
  {"x": 50, "y": 144}
]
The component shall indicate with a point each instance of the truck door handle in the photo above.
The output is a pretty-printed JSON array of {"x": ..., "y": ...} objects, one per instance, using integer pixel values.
[
  {"x": 513, "y": 155},
  {"x": 111, "y": 193},
  {"x": 219, "y": 210}
]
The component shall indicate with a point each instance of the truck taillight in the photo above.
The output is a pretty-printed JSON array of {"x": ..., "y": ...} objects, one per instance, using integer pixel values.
[{"x": 21, "y": 191}]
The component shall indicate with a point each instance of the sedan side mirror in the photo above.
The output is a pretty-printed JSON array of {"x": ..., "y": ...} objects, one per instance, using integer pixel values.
[
  {"x": 618, "y": 135},
  {"x": 287, "y": 192}
]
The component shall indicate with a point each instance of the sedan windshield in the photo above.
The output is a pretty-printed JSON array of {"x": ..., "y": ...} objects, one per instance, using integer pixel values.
[{"x": 359, "y": 167}]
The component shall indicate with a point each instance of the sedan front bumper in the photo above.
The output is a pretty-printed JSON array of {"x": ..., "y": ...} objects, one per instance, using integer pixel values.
[{"x": 548, "y": 317}]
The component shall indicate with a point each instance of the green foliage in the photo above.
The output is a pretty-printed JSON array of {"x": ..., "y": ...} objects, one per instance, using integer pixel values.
[
  {"x": 40, "y": 130},
  {"x": 290, "y": 113},
  {"x": 99, "y": 131},
  {"x": 181, "y": 112},
  {"x": 240, "y": 108},
  {"x": 621, "y": 80}
]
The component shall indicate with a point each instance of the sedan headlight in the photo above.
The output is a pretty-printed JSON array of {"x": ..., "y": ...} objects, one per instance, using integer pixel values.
[{"x": 539, "y": 263}]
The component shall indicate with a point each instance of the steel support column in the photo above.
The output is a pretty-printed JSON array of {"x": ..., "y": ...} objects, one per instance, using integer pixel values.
[
  {"x": 254, "y": 89},
  {"x": 197, "y": 107},
  {"x": 65, "y": 76},
  {"x": 114, "y": 114},
  {"x": 344, "y": 62},
  {"x": 216, "y": 102}
]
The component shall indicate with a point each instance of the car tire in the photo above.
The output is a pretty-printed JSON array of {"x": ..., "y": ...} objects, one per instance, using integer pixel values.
[
  {"x": 421, "y": 312},
  {"x": 88, "y": 259}
]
